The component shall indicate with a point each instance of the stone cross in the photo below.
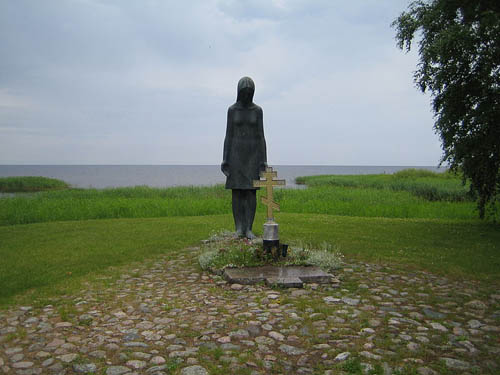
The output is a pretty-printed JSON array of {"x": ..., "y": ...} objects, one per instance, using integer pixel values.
[{"x": 268, "y": 182}]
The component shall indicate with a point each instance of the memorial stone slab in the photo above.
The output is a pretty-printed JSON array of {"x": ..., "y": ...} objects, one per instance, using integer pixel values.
[{"x": 291, "y": 277}]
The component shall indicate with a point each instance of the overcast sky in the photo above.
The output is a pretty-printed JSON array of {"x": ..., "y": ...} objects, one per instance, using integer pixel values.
[{"x": 149, "y": 82}]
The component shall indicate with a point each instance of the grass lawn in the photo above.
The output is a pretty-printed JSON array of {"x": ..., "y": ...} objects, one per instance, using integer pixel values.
[
  {"x": 54, "y": 257},
  {"x": 51, "y": 241}
]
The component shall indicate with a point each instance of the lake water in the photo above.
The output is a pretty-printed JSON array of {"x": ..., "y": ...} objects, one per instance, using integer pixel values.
[{"x": 101, "y": 176}]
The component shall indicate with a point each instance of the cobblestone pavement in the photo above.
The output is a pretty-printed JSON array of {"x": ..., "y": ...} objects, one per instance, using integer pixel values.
[{"x": 169, "y": 317}]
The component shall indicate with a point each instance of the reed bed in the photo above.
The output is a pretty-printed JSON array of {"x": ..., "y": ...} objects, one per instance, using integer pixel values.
[
  {"x": 428, "y": 185},
  {"x": 30, "y": 184},
  {"x": 144, "y": 202}
]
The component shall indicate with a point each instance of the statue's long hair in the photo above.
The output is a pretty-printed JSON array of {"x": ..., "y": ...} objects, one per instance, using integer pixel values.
[{"x": 243, "y": 83}]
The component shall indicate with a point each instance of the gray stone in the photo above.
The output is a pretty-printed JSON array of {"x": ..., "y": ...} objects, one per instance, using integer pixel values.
[
  {"x": 67, "y": 358},
  {"x": 229, "y": 346},
  {"x": 433, "y": 314},
  {"x": 276, "y": 335},
  {"x": 131, "y": 337},
  {"x": 136, "y": 364},
  {"x": 370, "y": 355},
  {"x": 117, "y": 370},
  {"x": 22, "y": 365},
  {"x": 342, "y": 356},
  {"x": 291, "y": 350},
  {"x": 455, "y": 364},
  {"x": 350, "y": 301},
  {"x": 426, "y": 371},
  {"x": 254, "y": 275},
  {"x": 476, "y": 304},
  {"x": 135, "y": 344},
  {"x": 194, "y": 370},
  {"x": 439, "y": 327},
  {"x": 474, "y": 324},
  {"x": 239, "y": 334},
  {"x": 87, "y": 368},
  {"x": 285, "y": 282}
]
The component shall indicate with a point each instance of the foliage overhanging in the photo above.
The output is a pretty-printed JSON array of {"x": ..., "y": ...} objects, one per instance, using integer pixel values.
[{"x": 459, "y": 63}]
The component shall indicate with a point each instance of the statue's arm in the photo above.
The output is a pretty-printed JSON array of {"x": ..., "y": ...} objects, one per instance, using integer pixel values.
[
  {"x": 263, "y": 151},
  {"x": 227, "y": 143}
]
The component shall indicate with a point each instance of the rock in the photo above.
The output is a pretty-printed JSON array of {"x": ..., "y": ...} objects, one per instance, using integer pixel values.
[
  {"x": 173, "y": 348},
  {"x": 87, "y": 368},
  {"x": 264, "y": 340},
  {"x": 240, "y": 334},
  {"x": 342, "y": 356},
  {"x": 42, "y": 354},
  {"x": 194, "y": 370},
  {"x": 433, "y": 314},
  {"x": 331, "y": 299},
  {"x": 22, "y": 365},
  {"x": 224, "y": 339},
  {"x": 455, "y": 364},
  {"x": 253, "y": 329},
  {"x": 474, "y": 324},
  {"x": 157, "y": 360},
  {"x": 12, "y": 351},
  {"x": 299, "y": 292},
  {"x": 131, "y": 337},
  {"x": 439, "y": 327},
  {"x": 236, "y": 286},
  {"x": 47, "y": 362},
  {"x": 55, "y": 343},
  {"x": 291, "y": 350},
  {"x": 426, "y": 371},
  {"x": 367, "y": 331},
  {"x": 350, "y": 301},
  {"x": 136, "y": 364},
  {"x": 412, "y": 346},
  {"x": 111, "y": 347},
  {"x": 370, "y": 355},
  {"x": 276, "y": 335},
  {"x": 374, "y": 323},
  {"x": 117, "y": 370},
  {"x": 64, "y": 325},
  {"x": 476, "y": 304},
  {"x": 230, "y": 346},
  {"x": 68, "y": 358},
  {"x": 98, "y": 354}
]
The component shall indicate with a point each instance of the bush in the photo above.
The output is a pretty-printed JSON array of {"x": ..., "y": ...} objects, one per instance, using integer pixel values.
[{"x": 224, "y": 250}]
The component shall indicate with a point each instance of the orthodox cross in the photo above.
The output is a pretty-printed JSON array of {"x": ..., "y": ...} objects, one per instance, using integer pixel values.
[{"x": 268, "y": 182}]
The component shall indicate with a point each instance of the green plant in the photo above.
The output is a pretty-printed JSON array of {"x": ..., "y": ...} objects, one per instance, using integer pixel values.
[
  {"x": 352, "y": 365},
  {"x": 458, "y": 64},
  {"x": 30, "y": 184},
  {"x": 230, "y": 251}
]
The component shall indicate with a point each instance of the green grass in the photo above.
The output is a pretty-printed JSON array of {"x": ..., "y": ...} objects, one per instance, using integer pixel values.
[
  {"x": 142, "y": 202},
  {"x": 30, "y": 184},
  {"x": 376, "y": 218},
  {"x": 54, "y": 257},
  {"x": 425, "y": 184}
]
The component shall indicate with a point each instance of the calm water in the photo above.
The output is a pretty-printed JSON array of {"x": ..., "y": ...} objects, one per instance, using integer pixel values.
[{"x": 101, "y": 176}]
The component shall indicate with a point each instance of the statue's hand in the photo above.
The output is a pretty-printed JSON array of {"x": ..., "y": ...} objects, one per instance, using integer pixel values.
[{"x": 224, "y": 167}]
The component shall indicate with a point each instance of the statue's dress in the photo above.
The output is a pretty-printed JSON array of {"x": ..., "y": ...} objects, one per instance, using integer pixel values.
[{"x": 244, "y": 146}]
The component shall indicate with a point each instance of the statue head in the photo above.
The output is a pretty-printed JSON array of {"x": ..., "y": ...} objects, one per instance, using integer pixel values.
[{"x": 246, "y": 89}]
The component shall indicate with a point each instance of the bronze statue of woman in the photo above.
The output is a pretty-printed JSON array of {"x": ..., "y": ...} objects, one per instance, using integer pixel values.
[{"x": 244, "y": 155}]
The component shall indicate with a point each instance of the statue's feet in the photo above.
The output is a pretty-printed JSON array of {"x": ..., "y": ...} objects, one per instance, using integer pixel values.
[
  {"x": 240, "y": 233},
  {"x": 250, "y": 235}
]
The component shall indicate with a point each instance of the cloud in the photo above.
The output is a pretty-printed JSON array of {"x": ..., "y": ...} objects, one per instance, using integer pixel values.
[{"x": 102, "y": 81}]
